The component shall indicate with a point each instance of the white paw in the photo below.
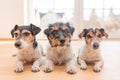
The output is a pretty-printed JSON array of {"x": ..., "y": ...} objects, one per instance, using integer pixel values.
[
  {"x": 35, "y": 69},
  {"x": 19, "y": 69},
  {"x": 71, "y": 70},
  {"x": 48, "y": 69},
  {"x": 96, "y": 69},
  {"x": 83, "y": 66}
]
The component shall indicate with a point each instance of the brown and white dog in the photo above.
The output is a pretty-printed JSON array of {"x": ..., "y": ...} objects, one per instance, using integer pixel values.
[
  {"x": 90, "y": 53},
  {"x": 60, "y": 52},
  {"x": 28, "y": 48}
]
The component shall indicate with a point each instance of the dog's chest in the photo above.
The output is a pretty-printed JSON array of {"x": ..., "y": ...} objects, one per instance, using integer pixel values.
[
  {"x": 59, "y": 56},
  {"x": 91, "y": 55},
  {"x": 28, "y": 55}
]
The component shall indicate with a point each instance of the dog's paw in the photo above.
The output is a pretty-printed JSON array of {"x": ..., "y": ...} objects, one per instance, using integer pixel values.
[
  {"x": 35, "y": 69},
  {"x": 96, "y": 69},
  {"x": 19, "y": 69},
  {"x": 48, "y": 69},
  {"x": 83, "y": 67},
  {"x": 71, "y": 69}
]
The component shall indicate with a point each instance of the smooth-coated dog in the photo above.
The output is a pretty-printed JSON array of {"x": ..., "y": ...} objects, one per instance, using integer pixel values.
[
  {"x": 90, "y": 53},
  {"x": 28, "y": 48},
  {"x": 59, "y": 52}
]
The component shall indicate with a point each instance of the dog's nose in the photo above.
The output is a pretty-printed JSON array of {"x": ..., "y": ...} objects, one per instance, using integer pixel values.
[
  {"x": 17, "y": 44},
  {"x": 62, "y": 41},
  {"x": 95, "y": 45}
]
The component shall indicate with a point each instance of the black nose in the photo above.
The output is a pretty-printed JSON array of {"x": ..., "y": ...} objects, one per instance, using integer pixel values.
[
  {"x": 17, "y": 44},
  {"x": 95, "y": 45},
  {"x": 62, "y": 41}
]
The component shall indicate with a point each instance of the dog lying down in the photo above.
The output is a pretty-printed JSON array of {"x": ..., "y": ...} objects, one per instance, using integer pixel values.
[
  {"x": 60, "y": 52},
  {"x": 28, "y": 48},
  {"x": 90, "y": 53}
]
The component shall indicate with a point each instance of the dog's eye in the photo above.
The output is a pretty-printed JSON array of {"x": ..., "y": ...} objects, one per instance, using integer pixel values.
[
  {"x": 16, "y": 34},
  {"x": 65, "y": 31},
  {"x": 89, "y": 36},
  {"x": 56, "y": 35},
  {"x": 26, "y": 34},
  {"x": 99, "y": 35}
]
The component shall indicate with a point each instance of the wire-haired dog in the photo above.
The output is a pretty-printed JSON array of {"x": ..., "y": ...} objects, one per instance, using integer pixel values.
[
  {"x": 59, "y": 52},
  {"x": 28, "y": 48},
  {"x": 91, "y": 51}
]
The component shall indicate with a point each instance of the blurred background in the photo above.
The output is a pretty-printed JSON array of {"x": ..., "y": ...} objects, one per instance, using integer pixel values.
[{"x": 80, "y": 13}]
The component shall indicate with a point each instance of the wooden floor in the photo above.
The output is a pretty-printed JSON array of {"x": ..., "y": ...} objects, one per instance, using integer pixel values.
[{"x": 110, "y": 70}]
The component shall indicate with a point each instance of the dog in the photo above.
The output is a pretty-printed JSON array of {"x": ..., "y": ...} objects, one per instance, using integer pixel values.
[
  {"x": 90, "y": 53},
  {"x": 59, "y": 52},
  {"x": 28, "y": 48}
]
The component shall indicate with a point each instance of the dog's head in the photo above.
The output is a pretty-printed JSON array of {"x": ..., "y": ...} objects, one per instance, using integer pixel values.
[
  {"x": 93, "y": 36},
  {"x": 59, "y": 34},
  {"x": 25, "y": 35}
]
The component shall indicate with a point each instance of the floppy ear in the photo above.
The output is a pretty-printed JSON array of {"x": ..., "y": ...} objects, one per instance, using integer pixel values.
[
  {"x": 83, "y": 33},
  {"x": 13, "y": 30},
  {"x": 72, "y": 29},
  {"x": 103, "y": 33},
  {"x": 46, "y": 32},
  {"x": 35, "y": 30}
]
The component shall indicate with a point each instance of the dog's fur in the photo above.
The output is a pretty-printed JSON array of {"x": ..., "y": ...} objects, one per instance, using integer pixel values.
[
  {"x": 90, "y": 53},
  {"x": 28, "y": 48},
  {"x": 59, "y": 52}
]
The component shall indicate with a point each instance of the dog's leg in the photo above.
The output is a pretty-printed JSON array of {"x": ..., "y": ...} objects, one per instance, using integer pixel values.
[
  {"x": 19, "y": 66},
  {"x": 98, "y": 65},
  {"x": 48, "y": 66},
  {"x": 82, "y": 63},
  {"x": 71, "y": 66},
  {"x": 36, "y": 64}
]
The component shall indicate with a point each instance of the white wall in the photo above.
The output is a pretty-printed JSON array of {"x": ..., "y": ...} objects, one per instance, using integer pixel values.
[{"x": 11, "y": 13}]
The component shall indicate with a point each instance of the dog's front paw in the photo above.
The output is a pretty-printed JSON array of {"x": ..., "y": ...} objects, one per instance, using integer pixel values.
[
  {"x": 48, "y": 69},
  {"x": 83, "y": 67},
  {"x": 19, "y": 69},
  {"x": 35, "y": 69},
  {"x": 71, "y": 70},
  {"x": 96, "y": 69}
]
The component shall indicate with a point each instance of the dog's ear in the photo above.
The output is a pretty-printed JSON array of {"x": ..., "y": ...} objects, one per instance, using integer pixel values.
[
  {"x": 72, "y": 29},
  {"x": 103, "y": 33},
  {"x": 13, "y": 30},
  {"x": 46, "y": 31},
  {"x": 83, "y": 33},
  {"x": 34, "y": 29}
]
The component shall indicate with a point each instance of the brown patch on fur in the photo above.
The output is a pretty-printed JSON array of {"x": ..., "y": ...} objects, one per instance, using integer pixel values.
[
  {"x": 93, "y": 34},
  {"x": 53, "y": 41},
  {"x": 55, "y": 27},
  {"x": 29, "y": 38},
  {"x": 17, "y": 34},
  {"x": 67, "y": 40},
  {"x": 64, "y": 28},
  {"x": 89, "y": 40}
]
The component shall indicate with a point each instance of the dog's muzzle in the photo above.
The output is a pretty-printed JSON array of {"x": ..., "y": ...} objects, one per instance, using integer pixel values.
[
  {"x": 17, "y": 44},
  {"x": 62, "y": 40},
  {"x": 95, "y": 45}
]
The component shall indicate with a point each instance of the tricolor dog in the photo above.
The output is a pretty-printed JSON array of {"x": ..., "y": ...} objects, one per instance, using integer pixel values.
[
  {"x": 90, "y": 53},
  {"x": 60, "y": 51},
  {"x": 28, "y": 48}
]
